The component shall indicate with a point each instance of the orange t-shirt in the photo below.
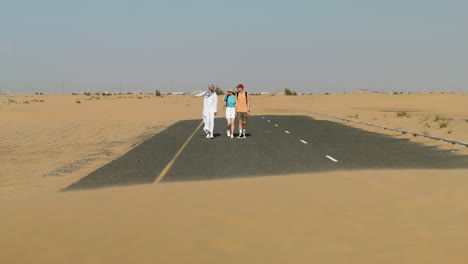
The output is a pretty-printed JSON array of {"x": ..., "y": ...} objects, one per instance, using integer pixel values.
[{"x": 241, "y": 104}]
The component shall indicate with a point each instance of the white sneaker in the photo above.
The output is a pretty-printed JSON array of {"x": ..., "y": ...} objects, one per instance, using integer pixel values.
[
  {"x": 232, "y": 136},
  {"x": 239, "y": 136},
  {"x": 228, "y": 133},
  {"x": 243, "y": 135},
  {"x": 212, "y": 137},
  {"x": 208, "y": 136}
]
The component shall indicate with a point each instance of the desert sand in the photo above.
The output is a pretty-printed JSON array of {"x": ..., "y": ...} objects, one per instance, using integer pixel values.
[{"x": 50, "y": 141}]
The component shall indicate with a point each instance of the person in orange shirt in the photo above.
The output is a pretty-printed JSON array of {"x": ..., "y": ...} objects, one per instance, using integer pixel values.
[{"x": 242, "y": 109}]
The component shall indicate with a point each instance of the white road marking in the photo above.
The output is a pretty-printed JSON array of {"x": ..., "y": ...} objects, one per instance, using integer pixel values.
[
  {"x": 286, "y": 131},
  {"x": 269, "y": 121},
  {"x": 303, "y": 141},
  {"x": 263, "y": 117},
  {"x": 331, "y": 158},
  {"x": 276, "y": 125}
]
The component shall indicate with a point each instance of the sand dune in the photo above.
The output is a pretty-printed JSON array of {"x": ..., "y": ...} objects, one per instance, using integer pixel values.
[{"x": 360, "y": 217}]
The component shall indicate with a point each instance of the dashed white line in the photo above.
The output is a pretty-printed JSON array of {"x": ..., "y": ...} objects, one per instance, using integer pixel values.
[
  {"x": 331, "y": 158},
  {"x": 303, "y": 141}
]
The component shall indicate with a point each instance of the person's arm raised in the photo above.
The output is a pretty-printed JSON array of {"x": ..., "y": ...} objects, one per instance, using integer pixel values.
[{"x": 200, "y": 94}]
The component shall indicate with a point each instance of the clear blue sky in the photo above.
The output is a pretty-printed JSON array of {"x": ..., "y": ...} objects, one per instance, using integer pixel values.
[{"x": 307, "y": 46}]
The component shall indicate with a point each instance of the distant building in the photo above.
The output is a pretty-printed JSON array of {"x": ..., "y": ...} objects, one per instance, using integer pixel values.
[
  {"x": 196, "y": 92},
  {"x": 363, "y": 91}
]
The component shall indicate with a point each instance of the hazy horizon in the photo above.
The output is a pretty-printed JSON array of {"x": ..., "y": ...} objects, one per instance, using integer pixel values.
[{"x": 178, "y": 46}]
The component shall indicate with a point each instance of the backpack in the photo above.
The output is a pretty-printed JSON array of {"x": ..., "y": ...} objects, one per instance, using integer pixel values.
[{"x": 246, "y": 98}]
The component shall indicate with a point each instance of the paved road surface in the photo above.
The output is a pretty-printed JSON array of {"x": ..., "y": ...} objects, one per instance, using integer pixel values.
[{"x": 277, "y": 145}]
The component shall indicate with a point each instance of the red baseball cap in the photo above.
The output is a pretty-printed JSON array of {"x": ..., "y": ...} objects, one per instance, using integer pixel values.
[{"x": 240, "y": 86}]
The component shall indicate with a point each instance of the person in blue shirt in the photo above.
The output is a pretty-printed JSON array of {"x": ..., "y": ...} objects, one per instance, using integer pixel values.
[{"x": 230, "y": 100}]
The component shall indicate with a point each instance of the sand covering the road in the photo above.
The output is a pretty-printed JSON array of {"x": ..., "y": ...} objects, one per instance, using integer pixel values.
[{"x": 50, "y": 141}]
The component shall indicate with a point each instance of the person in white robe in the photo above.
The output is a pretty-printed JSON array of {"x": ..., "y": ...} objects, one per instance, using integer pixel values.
[{"x": 210, "y": 109}]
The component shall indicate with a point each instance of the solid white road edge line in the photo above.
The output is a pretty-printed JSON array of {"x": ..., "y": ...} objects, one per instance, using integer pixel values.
[
  {"x": 303, "y": 141},
  {"x": 286, "y": 131},
  {"x": 331, "y": 158}
]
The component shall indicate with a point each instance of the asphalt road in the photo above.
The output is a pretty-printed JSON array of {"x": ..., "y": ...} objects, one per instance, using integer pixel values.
[{"x": 275, "y": 145}]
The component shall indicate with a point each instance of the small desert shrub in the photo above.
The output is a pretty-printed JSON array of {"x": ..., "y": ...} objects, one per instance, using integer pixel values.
[
  {"x": 354, "y": 116},
  {"x": 25, "y": 102},
  {"x": 443, "y": 124},
  {"x": 402, "y": 114},
  {"x": 139, "y": 97},
  {"x": 218, "y": 91},
  {"x": 289, "y": 92},
  {"x": 78, "y": 101},
  {"x": 449, "y": 132},
  {"x": 439, "y": 118}
]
